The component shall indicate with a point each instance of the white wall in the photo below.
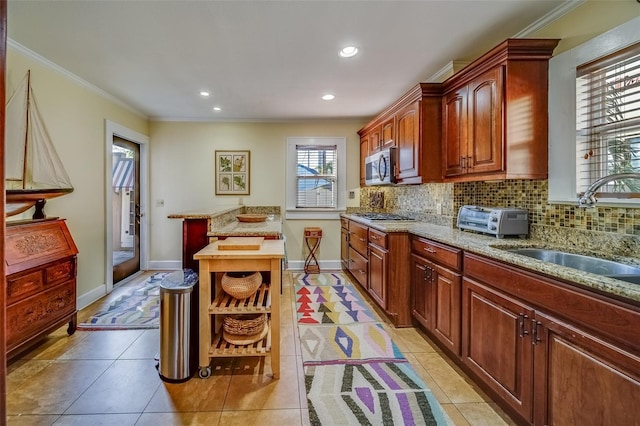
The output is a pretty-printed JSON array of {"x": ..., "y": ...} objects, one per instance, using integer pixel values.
[
  {"x": 75, "y": 118},
  {"x": 182, "y": 159}
]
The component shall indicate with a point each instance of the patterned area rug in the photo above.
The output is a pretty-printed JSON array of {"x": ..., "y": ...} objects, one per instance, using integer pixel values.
[
  {"x": 327, "y": 304},
  {"x": 354, "y": 373},
  {"x": 137, "y": 309}
]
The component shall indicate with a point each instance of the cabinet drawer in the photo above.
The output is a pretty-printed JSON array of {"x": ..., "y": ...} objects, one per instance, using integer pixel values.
[
  {"x": 344, "y": 223},
  {"x": 358, "y": 267},
  {"x": 27, "y": 317},
  {"x": 378, "y": 238},
  {"x": 440, "y": 253},
  {"x": 20, "y": 287},
  {"x": 358, "y": 237},
  {"x": 60, "y": 272}
]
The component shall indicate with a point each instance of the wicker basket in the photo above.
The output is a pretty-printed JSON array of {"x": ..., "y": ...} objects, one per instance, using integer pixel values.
[
  {"x": 244, "y": 329},
  {"x": 241, "y": 284}
]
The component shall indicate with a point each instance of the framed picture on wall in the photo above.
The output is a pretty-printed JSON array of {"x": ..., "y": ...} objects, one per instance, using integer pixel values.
[{"x": 232, "y": 172}]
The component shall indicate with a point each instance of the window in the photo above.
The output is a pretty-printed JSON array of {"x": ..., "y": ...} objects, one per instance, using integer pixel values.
[
  {"x": 608, "y": 122},
  {"x": 316, "y": 177},
  {"x": 583, "y": 122}
]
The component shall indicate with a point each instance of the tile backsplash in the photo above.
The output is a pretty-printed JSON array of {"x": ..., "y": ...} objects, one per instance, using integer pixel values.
[{"x": 439, "y": 203}]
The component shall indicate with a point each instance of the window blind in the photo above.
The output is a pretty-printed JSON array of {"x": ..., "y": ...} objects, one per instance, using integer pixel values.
[
  {"x": 316, "y": 176},
  {"x": 608, "y": 122}
]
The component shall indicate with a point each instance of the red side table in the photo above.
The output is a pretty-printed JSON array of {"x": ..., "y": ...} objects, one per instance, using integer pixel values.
[{"x": 312, "y": 237}]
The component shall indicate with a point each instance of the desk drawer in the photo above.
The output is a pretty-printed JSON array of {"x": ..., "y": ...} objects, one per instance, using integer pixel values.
[{"x": 23, "y": 286}]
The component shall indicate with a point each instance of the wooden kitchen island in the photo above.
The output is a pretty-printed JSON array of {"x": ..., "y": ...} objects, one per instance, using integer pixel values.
[{"x": 214, "y": 303}]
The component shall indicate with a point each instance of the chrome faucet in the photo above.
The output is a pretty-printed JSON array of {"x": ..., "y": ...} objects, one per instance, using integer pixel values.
[{"x": 588, "y": 199}]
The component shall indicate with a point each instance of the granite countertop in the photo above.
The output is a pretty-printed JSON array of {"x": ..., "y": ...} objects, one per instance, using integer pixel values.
[
  {"x": 271, "y": 227},
  {"x": 199, "y": 214},
  {"x": 494, "y": 248}
]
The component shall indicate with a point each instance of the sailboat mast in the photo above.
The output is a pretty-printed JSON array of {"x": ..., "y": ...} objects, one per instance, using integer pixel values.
[{"x": 26, "y": 133}]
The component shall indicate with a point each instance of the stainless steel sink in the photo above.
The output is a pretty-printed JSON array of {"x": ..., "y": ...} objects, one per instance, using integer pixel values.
[{"x": 589, "y": 264}]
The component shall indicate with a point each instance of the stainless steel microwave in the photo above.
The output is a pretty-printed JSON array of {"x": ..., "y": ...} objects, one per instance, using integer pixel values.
[{"x": 380, "y": 167}]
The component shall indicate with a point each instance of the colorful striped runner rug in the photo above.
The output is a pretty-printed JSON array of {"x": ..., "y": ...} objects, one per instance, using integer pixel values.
[{"x": 354, "y": 372}]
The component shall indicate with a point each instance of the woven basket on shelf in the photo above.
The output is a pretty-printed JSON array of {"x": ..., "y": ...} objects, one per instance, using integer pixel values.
[
  {"x": 244, "y": 329},
  {"x": 241, "y": 284}
]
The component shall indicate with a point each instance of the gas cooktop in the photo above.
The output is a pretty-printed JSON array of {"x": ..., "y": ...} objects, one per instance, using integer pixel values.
[{"x": 382, "y": 216}]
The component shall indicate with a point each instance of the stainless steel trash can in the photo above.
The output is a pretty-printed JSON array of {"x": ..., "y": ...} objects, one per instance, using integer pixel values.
[{"x": 178, "y": 356}]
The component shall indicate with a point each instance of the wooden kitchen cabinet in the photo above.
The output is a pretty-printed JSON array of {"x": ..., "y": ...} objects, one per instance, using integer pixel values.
[
  {"x": 378, "y": 265},
  {"x": 41, "y": 268},
  {"x": 412, "y": 124},
  {"x": 494, "y": 346},
  {"x": 377, "y": 260},
  {"x": 472, "y": 135},
  {"x": 364, "y": 152},
  {"x": 495, "y": 114},
  {"x": 580, "y": 379},
  {"x": 436, "y": 290},
  {"x": 344, "y": 243},
  {"x": 358, "y": 256},
  {"x": 550, "y": 352}
]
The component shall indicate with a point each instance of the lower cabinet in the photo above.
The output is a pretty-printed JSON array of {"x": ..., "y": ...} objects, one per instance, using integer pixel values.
[
  {"x": 496, "y": 344},
  {"x": 581, "y": 379},
  {"x": 436, "y": 283},
  {"x": 555, "y": 355},
  {"x": 377, "y": 260},
  {"x": 378, "y": 265}
]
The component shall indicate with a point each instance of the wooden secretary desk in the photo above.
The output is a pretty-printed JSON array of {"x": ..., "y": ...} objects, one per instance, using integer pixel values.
[{"x": 40, "y": 273}]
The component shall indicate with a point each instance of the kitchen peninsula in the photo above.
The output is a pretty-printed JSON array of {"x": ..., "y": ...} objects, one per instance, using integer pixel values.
[{"x": 201, "y": 228}]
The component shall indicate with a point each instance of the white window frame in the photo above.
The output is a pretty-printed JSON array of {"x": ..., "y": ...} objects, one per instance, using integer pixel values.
[
  {"x": 293, "y": 212},
  {"x": 562, "y": 111}
]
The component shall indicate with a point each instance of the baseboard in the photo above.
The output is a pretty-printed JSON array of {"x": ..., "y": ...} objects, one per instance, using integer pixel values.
[
  {"x": 326, "y": 265},
  {"x": 88, "y": 298},
  {"x": 165, "y": 265}
]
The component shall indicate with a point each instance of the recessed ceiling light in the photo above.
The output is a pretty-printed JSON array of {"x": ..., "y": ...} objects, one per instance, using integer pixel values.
[
  {"x": 204, "y": 94},
  {"x": 348, "y": 51},
  {"x": 328, "y": 97},
  {"x": 216, "y": 108}
]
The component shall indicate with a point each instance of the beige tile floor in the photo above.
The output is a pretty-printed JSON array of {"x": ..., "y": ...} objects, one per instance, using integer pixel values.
[{"x": 110, "y": 378}]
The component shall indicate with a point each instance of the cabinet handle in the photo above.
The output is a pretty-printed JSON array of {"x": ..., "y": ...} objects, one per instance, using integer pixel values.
[
  {"x": 374, "y": 237},
  {"x": 521, "y": 320},
  {"x": 536, "y": 332},
  {"x": 468, "y": 163},
  {"x": 429, "y": 250},
  {"x": 361, "y": 271},
  {"x": 362, "y": 239}
]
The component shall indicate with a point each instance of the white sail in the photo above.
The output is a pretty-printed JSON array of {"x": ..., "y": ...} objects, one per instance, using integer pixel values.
[{"x": 24, "y": 125}]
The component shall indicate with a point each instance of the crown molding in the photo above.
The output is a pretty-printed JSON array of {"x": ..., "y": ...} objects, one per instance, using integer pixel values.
[
  {"x": 12, "y": 44},
  {"x": 550, "y": 17}
]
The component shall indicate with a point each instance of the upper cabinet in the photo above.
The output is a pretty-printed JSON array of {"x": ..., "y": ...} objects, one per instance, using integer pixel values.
[
  {"x": 412, "y": 125},
  {"x": 488, "y": 121},
  {"x": 495, "y": 114}
]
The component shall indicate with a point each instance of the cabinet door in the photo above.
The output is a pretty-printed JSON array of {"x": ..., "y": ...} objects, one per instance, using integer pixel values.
[
  {"x": 375, "y": 140},
  {"x": 344, "y": 248},
  {"x": 447, "y": 287},
  {"x": 496, "y": 345},
  {"x": 364, "y": 151},
  {"x": 387, "y": 133},
  {"x": 378, "y": 260},
  {"x": 582, "y": 380},
  {"x": 454, "y": 132},
  {"x": 408, "y": 142},
  {"x": 485, "y": 123},
  {"x": 422, "y": 291},
  {"x": 358, "y": 267}
]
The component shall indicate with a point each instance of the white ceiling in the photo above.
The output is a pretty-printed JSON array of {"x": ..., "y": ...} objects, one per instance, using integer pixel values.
[{"x": 263, "y": 60}]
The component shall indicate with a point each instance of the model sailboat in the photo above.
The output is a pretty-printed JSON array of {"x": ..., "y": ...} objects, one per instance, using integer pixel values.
[{"x": 33, "y": 170}]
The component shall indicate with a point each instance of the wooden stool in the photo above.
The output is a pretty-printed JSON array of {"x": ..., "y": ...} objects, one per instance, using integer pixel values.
[{"x": 312, "y": 237}]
